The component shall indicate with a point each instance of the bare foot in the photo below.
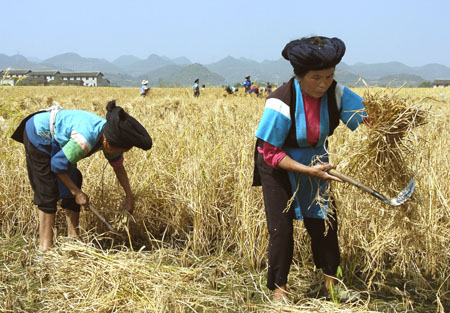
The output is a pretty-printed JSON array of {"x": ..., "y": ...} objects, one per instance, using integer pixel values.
[
  {"x": 329, "y": 282},
  {"x": 280, "y": 294},
  {"x": 44, "y": 247}
]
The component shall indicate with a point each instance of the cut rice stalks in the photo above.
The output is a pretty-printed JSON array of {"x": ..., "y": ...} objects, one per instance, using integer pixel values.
[{"x": 381, "y": 159}]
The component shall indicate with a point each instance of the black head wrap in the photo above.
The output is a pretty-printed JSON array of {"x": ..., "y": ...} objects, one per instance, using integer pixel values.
[
  {"x": 314, "y": 53},
  {"x": 123, "y": 131}
]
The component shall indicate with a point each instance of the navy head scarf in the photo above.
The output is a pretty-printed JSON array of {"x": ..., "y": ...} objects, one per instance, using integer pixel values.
[
  {"x": 123, "y": 131},
  {"x": 314, "y": 53}
]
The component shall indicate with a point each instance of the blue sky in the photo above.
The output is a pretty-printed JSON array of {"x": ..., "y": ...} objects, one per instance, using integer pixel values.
[{"x": 413, "y": 32}]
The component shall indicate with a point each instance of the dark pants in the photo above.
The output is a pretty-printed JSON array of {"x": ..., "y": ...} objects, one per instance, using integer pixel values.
[
  {"x": 44, "y": 182},
  {"x": 277, "y": 191}
]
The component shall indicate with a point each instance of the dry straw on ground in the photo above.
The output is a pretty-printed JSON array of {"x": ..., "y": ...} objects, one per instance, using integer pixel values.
[{"x": 199, "y": 235}]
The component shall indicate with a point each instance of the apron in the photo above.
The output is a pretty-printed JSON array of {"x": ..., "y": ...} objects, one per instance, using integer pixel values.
[{"x": 64, "y": 192}]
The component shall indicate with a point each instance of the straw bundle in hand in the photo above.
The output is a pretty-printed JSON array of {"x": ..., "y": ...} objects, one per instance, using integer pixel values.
[{"x": 383, "y": 154}]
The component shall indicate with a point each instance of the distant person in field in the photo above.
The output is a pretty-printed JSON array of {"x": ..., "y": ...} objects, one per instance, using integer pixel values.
[
  {"x": 55, "y": 140},
  {"x": 269, "y": 88},
  {"x": 247, "y": 84},
  {"x": 144, "y": 88},
  {"x": 196, "y": 88},
  {"x": 230, "y": 90},
  {"x": 254, "y": 89},
  {"x": 292, "y": 137},
  {"x": 203, "y": 87}
]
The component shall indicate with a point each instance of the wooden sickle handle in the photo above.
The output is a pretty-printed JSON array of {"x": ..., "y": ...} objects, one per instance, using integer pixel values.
[
  {"x": 100, "y": 217},
  {"x": 351, "y": 181}
]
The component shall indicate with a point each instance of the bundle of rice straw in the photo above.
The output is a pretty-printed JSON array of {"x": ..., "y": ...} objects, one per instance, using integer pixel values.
[{"x": 381, "y": 159}]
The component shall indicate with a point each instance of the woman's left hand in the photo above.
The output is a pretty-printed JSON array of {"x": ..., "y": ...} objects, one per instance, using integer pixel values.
[{"x": 121, "y": 174}]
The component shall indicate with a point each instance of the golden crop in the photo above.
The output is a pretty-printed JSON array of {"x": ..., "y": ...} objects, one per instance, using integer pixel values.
[{"x": 200, "y": 226}]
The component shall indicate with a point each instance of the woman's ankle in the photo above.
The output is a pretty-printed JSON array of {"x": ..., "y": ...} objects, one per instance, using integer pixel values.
[
  {"x": 46, "y": 223},
  {"x": 72, "y": 220}
]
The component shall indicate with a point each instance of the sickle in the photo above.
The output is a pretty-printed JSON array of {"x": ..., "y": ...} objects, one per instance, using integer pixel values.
[{"x": 402, "y": 197}]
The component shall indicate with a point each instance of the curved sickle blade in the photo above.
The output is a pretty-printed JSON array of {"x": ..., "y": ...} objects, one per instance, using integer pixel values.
[
  {"x": 402, "y": 197},
  {"x": 405, "y": 194}
]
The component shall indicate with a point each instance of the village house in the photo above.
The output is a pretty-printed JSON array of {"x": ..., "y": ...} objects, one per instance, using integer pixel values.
[
  {"x": 441, "y": 83},
  {"x": 45, "y": 75},
  {"x": 88, "y": 79},
  {"x": 10, "y": 77}
]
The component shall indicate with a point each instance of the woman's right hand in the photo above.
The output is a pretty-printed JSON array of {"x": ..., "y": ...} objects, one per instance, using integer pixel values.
[
  {"x": 321, "y": 171},
  {"x": 81, "y": 198}
]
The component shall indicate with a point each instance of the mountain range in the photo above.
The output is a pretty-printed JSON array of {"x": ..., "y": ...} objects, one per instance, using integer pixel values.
[{"x": 129, "y": 70}]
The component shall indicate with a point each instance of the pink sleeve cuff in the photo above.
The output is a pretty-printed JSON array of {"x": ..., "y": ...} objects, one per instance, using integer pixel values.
[
  {"x": 117, "y": 163},
  {"x": 272, "y": 155}
]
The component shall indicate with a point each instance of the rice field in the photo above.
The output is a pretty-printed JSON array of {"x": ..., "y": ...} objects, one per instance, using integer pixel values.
[{"x": 197, "y": 239}]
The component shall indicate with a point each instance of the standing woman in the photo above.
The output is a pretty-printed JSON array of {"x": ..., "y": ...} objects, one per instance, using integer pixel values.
[
  {"x": 55, "y": 140},
  {"x": 247, "y": 84},
  {"x": 196, "y": 88},
  {"x": 292, "y": 138}
]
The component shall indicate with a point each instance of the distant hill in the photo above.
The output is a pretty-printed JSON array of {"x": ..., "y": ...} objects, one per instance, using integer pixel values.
[
  {"x": 186, "y": 75},
  {"x": 371, "y": 71},
  {"x": 34, "y": 59},
  {"x": 156, "y": 77},
  {"x": 76, "y": 63},
  {"x": 182, "y": 61},
  {"x": 377, "y": 70},
  {"x": 398, "y": 80},
  {"x": 20, "y": 62},
  {"x": 138, "y": 67},
  {"x": 151, "y": 63},
  {"x": 432, "y": 71},
  {"x": 126, "y": 60},
  {"x": 129, "y": 70},
  {"x": 4, "y": 59},
  {"x": 123, "y": 80},
  {"x": 182, "y": 75},
  {"x": 344, "y": 76},
  {"x": 234, "y": 70},
  {"x": 278, "y": 71}
]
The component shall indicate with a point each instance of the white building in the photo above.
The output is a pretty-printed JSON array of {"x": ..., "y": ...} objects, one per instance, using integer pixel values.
[
  {"x": 89, "y": 79},
  {"x": 441, "y": 83},
  {"x": 45, "y": 75}
]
